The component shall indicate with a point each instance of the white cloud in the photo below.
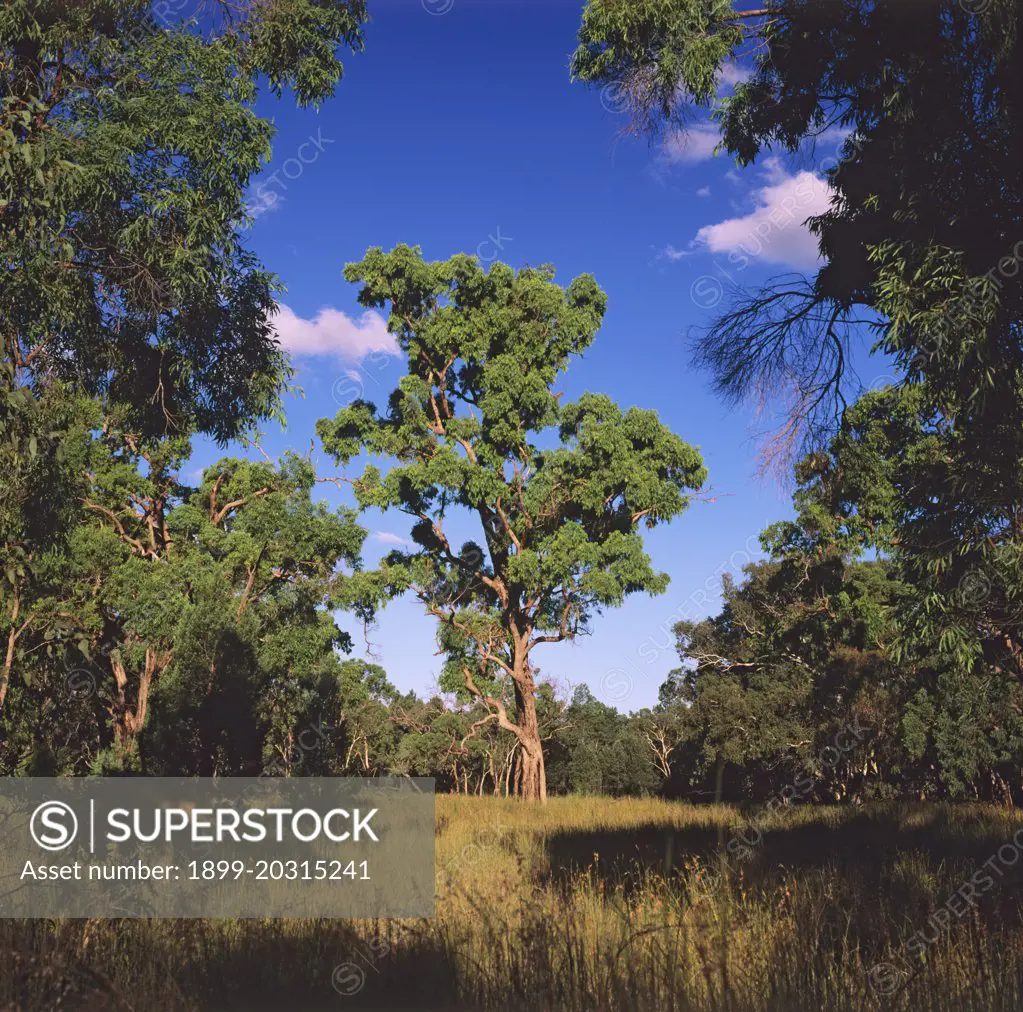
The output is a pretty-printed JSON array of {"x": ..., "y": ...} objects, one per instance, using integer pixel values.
[
  {"x": 691, "y": 145},
  {"x": 696, "y": 142},
  {"x": 732, "y": 74},
  {"x": 703, "y": 191},
  {"x": 331, "y": 332},
  {"x": 672, "y": 253},
  {"x": 775, "y": 229},
  {"x": 386, "y": 538},
  {"x": 256, "y": 208}
]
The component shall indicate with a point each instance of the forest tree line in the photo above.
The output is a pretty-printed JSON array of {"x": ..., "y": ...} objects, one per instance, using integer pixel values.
[{"x": 171, "y": 636}]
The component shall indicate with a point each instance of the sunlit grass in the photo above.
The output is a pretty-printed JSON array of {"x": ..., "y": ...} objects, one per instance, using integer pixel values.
[{"x": 595, "y": 904}]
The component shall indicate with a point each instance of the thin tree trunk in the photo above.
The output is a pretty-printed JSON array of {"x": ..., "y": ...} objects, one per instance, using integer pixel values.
[
  {"x": 128, "y": 721},
  {"x": 12, "y": 638},
  {"x": 510, "y": 766}
]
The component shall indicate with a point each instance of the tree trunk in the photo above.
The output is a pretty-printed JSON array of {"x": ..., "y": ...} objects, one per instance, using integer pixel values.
[
  {"x": 129, "y": 720},
  {"x": 5, "y": 675},
  {"x": 533, "y": 785},
  {"x": 510, "y": 766},
  {"x": 531, "y": 776},
  {"x": 12, "y": 639}
]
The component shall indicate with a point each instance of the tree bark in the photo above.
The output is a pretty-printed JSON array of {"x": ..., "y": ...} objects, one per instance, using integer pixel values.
[
  {"x": 533, "y": 785},
  {"x": 510, "y": 767},
  {"x": 531, "y": 775},
  {"x": 12, "y": 638},
  {"x": 129, "y": 720}
]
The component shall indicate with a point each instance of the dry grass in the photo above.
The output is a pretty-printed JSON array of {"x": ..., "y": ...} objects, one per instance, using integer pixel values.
[{"x": 591, "y": 904}]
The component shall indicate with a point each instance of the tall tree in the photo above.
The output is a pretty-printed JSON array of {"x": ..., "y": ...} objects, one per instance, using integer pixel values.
[
  {"x": 558, "y": 491},
  {"x": 128, "y": 138},
  {"x": 923, "y": 232},
  {"x": 945, "y": 507},
  {"x": 921, "y": 643},
  {"x": 922, "y": 238}
]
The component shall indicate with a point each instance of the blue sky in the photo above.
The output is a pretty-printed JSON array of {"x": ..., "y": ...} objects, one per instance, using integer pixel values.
[{"x": 458, "y": 130}]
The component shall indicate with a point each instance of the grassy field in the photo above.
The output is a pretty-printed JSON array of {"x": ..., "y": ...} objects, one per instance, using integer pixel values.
[{"x": 593, "y": 904}]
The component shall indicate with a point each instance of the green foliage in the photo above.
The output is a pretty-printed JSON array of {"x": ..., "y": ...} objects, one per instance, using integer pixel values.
[
  {"x": 919, "y": 643},
  {"x": 902, "y": 479},
  {"x": 599, "y": 751},
  {"x": 919, "y": 239},
  {"x": 786, "y": 665},
  {"x": 656, "y": 53},
  {"x": 132, "y": 316},
  {"x": 921, "y": 252},
  {"x": 203, "y": 606},
  {"x": 478, "y": 433},
  {"x": 127, "y": 143}
]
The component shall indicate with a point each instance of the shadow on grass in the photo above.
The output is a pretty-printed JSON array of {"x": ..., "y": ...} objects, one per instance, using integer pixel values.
[
  {"x": 863, "y": 842},
  {"x": 353, "y": 975},
  {"x": 186, "y": 967}
]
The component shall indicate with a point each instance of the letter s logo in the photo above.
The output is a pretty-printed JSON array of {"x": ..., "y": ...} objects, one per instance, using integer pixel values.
[{"x": 53, "y": 825}]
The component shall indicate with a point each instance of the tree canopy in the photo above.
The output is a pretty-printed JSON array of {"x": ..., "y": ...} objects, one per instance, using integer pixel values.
[
  {"x": 926, "y": 210},
  {"x": 128, "y": 139},
  {"x": 557, "y": 492}
]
